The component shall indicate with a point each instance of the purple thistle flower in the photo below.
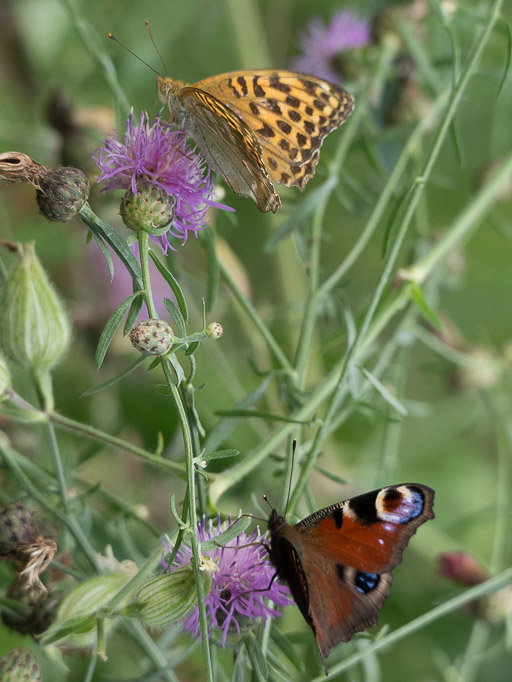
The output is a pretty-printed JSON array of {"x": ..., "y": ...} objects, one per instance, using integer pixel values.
[
  {"x": 161, "y": 156},
  {"x": 239, "y": 586},
  {"x": 321, "y": 43}
]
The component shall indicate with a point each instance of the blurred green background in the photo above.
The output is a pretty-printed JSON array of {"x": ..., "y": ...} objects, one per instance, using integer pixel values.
[{"x": 455, "y": 437}]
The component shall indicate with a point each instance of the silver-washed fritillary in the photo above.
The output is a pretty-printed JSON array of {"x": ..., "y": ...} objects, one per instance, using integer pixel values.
[{"x": 258, "y": 127}]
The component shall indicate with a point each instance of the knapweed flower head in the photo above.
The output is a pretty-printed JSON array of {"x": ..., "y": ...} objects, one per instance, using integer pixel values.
[
  {"x": 321, "y": 44},
  {"x": 239, "y": 585},
  {"x": 154, "y": 153}
]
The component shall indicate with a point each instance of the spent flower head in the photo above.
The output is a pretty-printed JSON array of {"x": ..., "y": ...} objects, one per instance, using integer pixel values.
[
  {"x": 239, "y": 585},
  {"x": 321, "y": 44},
  {"x": 154, "y": 153}
]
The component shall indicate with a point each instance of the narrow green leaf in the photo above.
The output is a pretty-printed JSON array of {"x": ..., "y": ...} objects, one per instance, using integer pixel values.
[
  {"x": 228, "y": 535},
  {"x": 178, "y": 369},
  {"x": 427, "y": 311},
  {"x": 105, "y": 253},
  {"x": 173, "y": 283},
  {"x": 124, "y": 373},
  {"x": 220, "y": 454},
  {"x": 508, "y": 55},
  {"x": 107, "y": 233},
  {"x": 176, "y": 315},
  {"x": 225, "y": 427},
  {"x": 286, "y": 647},
  {"x": 133, "y": 313},
  {"x": 259, "y": 664},
  {"x": 75, "y": 625},
  {"x": 192, "y": 348},
  {"x": 111, "y": 327},
  {"x": 387, "y": 395},
  {"x": 261, "y": 414},
  {"x": 330, "y": 475}
]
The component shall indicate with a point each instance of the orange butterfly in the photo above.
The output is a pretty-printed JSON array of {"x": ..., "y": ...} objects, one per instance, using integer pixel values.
[
  {"x": 258, "y": 127},
  {"x": 338, "y": 561}
]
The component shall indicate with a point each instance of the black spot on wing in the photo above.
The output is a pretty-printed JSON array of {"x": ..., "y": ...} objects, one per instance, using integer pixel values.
[
  {"x": 337, "y": 516},
  {"x": 257, "y": 89},
  {"x": 284, "y": 127},
  {"x": 254, "y": 108},
  {"x": 243, "y": 84},
  {"x": 271, "y": 162},
  {"x": 234, "y": 90},
  {"x": 292, "y": 101},
  {"x": 276, "y": 83},
  {"x": 364, "y": 507},
  {"x": 266, "y": 131},
  {"x": 294, "y": 115},
  {"x": 340, "y": 570},
  {"x": 272, "y": 105}
]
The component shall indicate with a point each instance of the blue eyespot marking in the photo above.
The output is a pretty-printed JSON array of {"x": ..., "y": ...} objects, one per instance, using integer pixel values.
[{"x": 366, "y": 582}]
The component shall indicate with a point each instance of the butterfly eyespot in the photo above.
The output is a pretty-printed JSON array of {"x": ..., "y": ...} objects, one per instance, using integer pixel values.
[
  {"x": 366, "y": 582},
  {"x": 399, "y": 505}
]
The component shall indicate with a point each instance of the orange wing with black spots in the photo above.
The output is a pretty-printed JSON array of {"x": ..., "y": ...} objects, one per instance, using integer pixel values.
[
  {"x": 338, "y": 561},
  {"x": 259, "y": 127}
]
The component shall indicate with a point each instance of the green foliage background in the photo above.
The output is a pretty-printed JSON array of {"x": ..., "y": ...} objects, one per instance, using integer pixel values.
[{"x": 454, "y": 383}]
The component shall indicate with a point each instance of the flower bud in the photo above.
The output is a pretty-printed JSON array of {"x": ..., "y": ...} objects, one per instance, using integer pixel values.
[
  {"x": 214, "y": 330},
  {"x": 19, "y": 665},
  {"x": 75, "y": 623},
  {"x": 5, "y": 379},
  {"x": 62, "y": 192},
  {"x": 23, "y": 545},
  {"x": 35, "y": 329},
  {"x": 152, "y": 337},
  {"x": 151, "y": 208}
]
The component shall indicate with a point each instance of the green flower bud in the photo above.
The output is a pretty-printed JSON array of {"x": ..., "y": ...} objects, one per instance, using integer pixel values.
[
  {"x": 167, "y": 598},
  {"x": 75, "y": 623},
  {"x": 152, "y": 337},
  {"x": 35, "y": 329},
  {"x": 61, "y": 193},
  {"x": 19, "y": 665},
  {"x": 214, "y": 330},
  {"x": 5, "y": 379},
  {"x": 152, "y": 208}
]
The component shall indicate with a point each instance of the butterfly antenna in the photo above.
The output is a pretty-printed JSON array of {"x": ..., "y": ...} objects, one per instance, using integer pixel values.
[
  {"x": 294, "y": 447},
  {"x": 116, "y": 40},
  {"x": 156, "y": 48},
  {"x": 266, "y": 500}
]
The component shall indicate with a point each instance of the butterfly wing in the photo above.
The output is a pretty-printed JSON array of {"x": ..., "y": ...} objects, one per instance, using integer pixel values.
[
  {"x": 229, "y": 146},
  {"x": 338, "y": 561},
  {"x": 290, "y": 114}
]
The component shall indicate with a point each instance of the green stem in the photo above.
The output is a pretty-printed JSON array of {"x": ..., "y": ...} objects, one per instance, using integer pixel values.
[
  {"x": 44, "y": 388},
  {"x": 95, "y": 434},
  {"x": 186, "y": 432},
  {"x": 146, "y": 278},
  {"x": 194, "y": 540}
]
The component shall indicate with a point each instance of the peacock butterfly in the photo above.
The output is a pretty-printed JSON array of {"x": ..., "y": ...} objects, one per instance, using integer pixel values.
[{"x": 338, "y": 561}]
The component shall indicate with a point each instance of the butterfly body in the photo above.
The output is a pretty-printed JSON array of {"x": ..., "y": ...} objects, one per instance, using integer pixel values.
[
  {"x": 338, "y": 561},
  {"x": 258, "y": 127}
]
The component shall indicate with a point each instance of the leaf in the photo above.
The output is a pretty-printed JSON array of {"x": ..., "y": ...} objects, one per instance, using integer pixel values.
[
  {"x": 176, "y": 315},
  {"x": 75, "y": 625},
  {"x": 428, "y": 312},
  {"x": 387, "y": 395},
  {"x": 261, "y": 414},
  {"x": 228, "y": 535},
  {"x": 106, "y": 254},
  {"x": 107, "y": 233},
  {"x": 178, "y": 369},
  {"x": 257, "y": 657},
  {"x": 224, "y": 428},
  {"x": 173, "y": 283},
  {"x": 133, "y": 313},
  {"x": 111, "y": 327},
  {"x": 286, "y": 647},
  {"x": 124, "y": 373},
  {"x": 220, "y": 454},
  {"x": 192, "y": 348}
]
